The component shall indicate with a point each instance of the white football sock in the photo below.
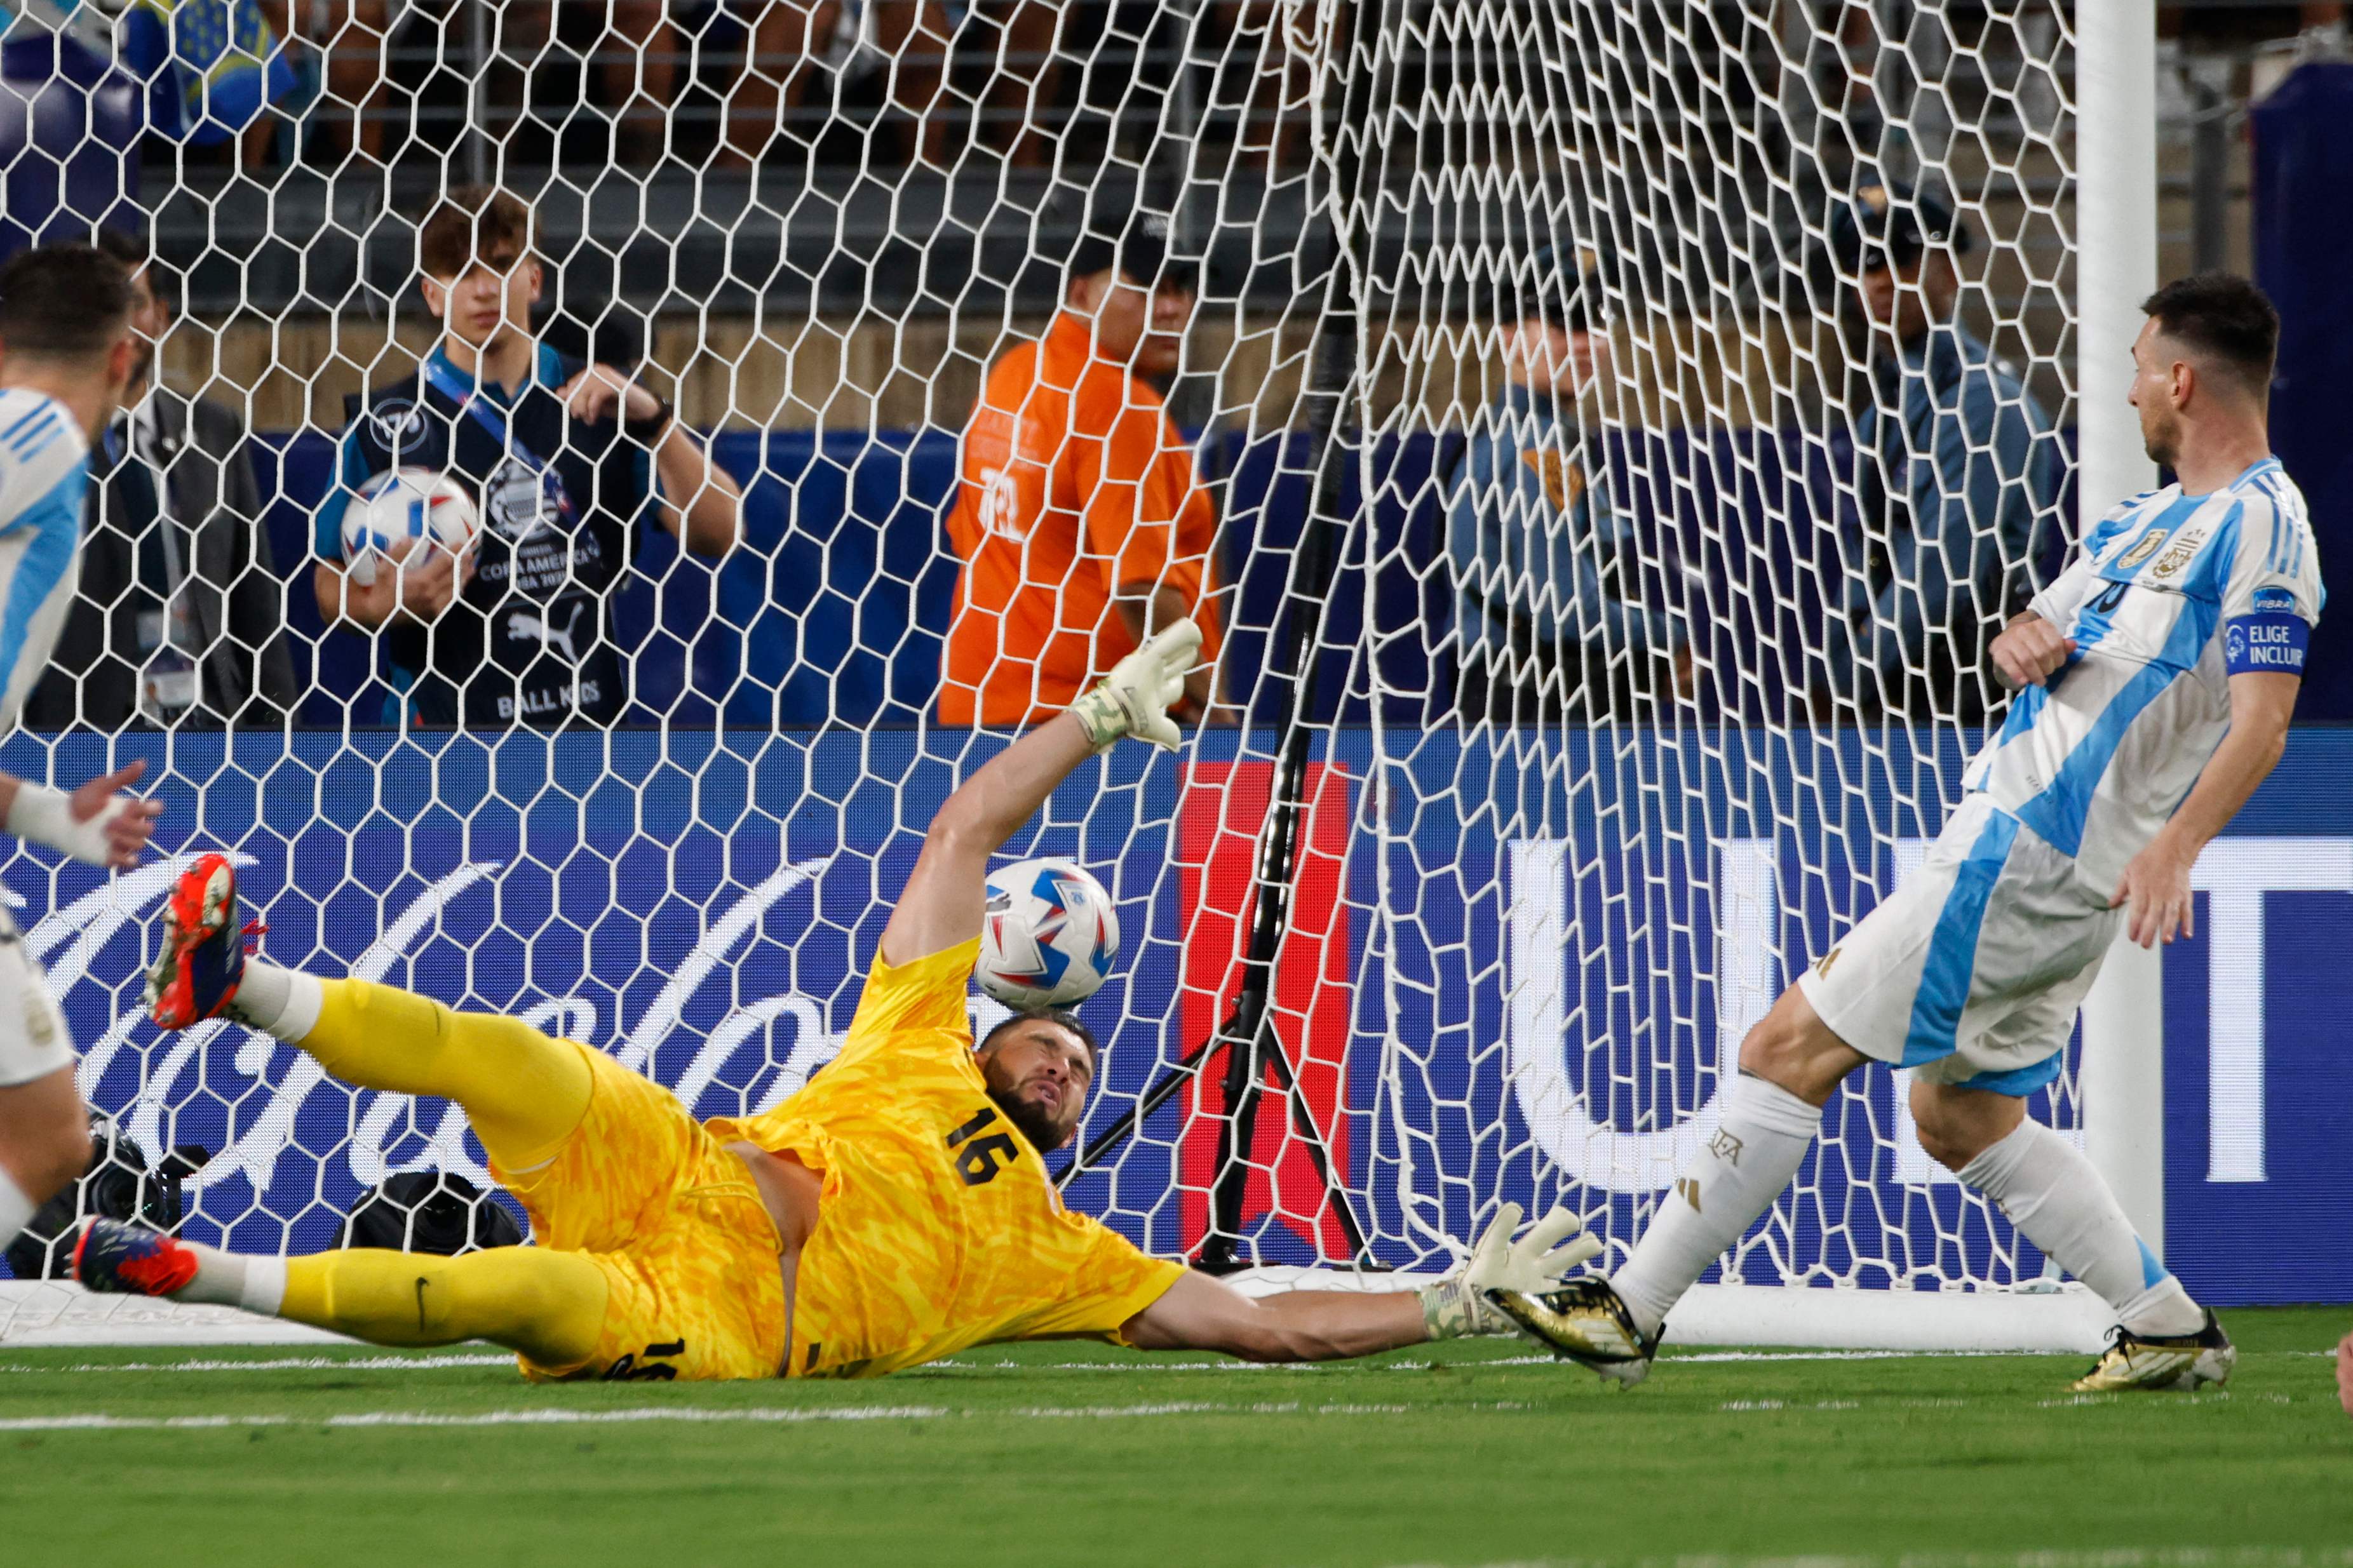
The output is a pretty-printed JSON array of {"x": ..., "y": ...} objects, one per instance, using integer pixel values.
[
  {"x": 280, "y": 1002},
  {"x": 1761, "y": 1136},
  {"x": 233, "y": 1279},
  {"x": 16, "y": 1210},
  {"x": 2055, "y": 1196}
]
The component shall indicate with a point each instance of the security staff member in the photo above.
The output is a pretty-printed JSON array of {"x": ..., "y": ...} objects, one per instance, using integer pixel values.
[
  {"x": 1956, "y": 477},
  {"x": 1556, "y": 616},
  {"x": 181, "y": 615}
]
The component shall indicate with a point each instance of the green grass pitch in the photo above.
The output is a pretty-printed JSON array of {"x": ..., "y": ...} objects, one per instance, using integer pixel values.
[{"x": 1069, "y": 1454}]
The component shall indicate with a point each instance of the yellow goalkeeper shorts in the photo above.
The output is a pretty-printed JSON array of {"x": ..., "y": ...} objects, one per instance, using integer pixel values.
[{"x": 674, "y": 1222}]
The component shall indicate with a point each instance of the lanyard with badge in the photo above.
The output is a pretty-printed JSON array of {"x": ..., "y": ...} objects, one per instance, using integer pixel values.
[
  {"x": 169, "y": 641},
  {"x": 443, "y": 377}
]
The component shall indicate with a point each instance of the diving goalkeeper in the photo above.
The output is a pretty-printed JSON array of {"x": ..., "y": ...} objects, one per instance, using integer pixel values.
[{"x": 896, "y": 1211}]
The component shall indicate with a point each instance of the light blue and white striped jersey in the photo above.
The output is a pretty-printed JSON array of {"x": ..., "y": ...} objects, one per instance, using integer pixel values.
[
  {"x": 2170, "y": 596},
  {"x": 44, "y": 473}
]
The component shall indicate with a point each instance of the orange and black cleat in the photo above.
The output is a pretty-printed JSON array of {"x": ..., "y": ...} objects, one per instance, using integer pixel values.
[
  {"x": 118, "y": 1259},
  {"x": 201, "y": 963}
]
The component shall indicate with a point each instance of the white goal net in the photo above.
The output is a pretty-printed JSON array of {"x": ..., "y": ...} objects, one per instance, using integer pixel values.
[{"x": 1603, "y": 591}]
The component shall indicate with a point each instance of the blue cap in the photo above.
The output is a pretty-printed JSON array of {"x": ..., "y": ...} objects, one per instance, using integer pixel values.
[{"x": 1891, "y": 222}]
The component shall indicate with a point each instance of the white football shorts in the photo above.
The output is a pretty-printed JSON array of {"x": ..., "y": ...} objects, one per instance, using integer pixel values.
[
  {"x": 1972, "y": 971},
  {"x": 33, "y": 1039}
]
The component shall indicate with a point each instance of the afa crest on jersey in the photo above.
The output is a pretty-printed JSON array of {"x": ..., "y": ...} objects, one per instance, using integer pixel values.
[{"x": 2177, "y": 556}]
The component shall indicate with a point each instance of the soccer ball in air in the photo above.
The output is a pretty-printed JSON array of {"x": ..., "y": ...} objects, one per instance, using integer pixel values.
[
  {"x": 405, "y": 503},
  {"x": 1049, "y": 934}
]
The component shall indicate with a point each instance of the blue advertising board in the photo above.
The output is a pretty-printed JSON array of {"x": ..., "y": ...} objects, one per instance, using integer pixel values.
[{"x": 1521, "y": 987}]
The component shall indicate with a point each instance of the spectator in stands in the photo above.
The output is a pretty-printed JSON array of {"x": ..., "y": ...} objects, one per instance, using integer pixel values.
[
  {"x": 337, "y": 50},
  {"x": 1023, "y": 110},
  {"x": 181, "y": 614},
  {"x": 1264, "y": 80},
  {"x": 1957, "y": 480},
  {"x": 566, "y": 458},
  {"x": 635, "y": 50},
  {"x": 1077, "y": 518},
  {"x": 1552, "y": 620},
  {"x": 789, "y": 43}
]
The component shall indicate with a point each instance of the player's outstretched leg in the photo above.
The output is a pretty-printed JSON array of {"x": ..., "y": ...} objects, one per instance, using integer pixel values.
[
  {"x": 2059, "y": 1201},
  {"x": 547, "y": 1305},
  {"x": 1763, "y": 1131},
  {"x": 523, "y": 1094}
]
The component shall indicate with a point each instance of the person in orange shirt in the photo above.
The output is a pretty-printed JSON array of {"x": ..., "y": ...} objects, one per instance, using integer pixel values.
[{"x": 1077, "y": 518}]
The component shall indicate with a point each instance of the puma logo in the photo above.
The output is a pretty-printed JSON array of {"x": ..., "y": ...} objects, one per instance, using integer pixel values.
[{"x": 524, "y": 625}]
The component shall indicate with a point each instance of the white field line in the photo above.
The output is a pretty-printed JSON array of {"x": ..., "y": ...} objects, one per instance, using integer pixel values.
[
  {"x": 756, "y": 1414},
  {"x": 1671, "y": 1358},
  {"x": 1009, "y": 1364},
  {"x": 286, "y": 1363},
  {"x": 2069, "y": 1402},
  {"x": 2108, "y": 1557},
  {"x": 439, "y": 1363}
]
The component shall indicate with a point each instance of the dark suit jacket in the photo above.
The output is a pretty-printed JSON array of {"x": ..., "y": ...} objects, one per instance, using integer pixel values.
[{"x": 237, "y": 595}]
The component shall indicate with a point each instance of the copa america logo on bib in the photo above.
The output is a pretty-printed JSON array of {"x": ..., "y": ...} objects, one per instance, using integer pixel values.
[{"x": 522, "y": 502}]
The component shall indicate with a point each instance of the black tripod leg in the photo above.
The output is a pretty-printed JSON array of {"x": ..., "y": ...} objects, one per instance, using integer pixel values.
[
  {"x": 1302, "y": 1125},
  {"x": 1187, "y": 1070},
  {"x": 1237, "y": 1130}
]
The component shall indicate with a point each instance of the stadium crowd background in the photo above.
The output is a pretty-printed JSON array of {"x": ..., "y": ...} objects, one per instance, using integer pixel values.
[{"x": 813, "y": 230}]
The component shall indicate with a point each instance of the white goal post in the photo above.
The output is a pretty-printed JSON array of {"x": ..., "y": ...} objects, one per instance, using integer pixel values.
[
  {"x": 2115, "y": 269},
  {"x": 1559, "y": 679}
]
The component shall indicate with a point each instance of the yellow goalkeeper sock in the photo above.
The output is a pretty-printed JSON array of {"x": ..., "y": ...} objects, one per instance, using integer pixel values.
[
  {"x": 523, "y": 1092},
  {"x": 547, "y": 1305}
]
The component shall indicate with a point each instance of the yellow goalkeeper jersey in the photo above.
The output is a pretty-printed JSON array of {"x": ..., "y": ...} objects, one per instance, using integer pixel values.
[{"x": 938, "y": 1228}]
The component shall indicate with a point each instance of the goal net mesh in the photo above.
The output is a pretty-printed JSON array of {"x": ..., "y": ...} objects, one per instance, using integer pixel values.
[{"x": 1626, "y": 685}]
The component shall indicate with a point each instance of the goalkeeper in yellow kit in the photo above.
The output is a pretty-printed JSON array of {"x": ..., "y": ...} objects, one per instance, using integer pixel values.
[{"x": 896, "y": 1211}]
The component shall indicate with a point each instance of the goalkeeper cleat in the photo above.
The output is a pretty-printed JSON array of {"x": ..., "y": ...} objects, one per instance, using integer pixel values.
[
  {"x": 1584, "y": 1322},
  {"x": 2146, "y": 1362},
  {"x": 196, "y": 975},
  {"x": 118, "y": 1259}
]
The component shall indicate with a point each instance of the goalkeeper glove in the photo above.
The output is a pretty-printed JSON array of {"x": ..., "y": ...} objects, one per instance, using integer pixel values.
[
  {"x": 1458, "y": 1305},
  {"x": 1134, "y": 698}
]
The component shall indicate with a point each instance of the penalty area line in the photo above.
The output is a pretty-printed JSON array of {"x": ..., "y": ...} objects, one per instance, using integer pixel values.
[{"x": 703, "y": 1415}]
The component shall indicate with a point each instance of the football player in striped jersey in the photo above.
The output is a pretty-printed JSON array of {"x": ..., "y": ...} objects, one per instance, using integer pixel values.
[
  {"x": 66, "y": 357},
  {"x": 2153, "y": 685}
]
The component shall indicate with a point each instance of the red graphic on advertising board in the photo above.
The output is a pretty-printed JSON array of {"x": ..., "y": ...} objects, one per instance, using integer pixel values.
[{"x": 1223, "y": 806}]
